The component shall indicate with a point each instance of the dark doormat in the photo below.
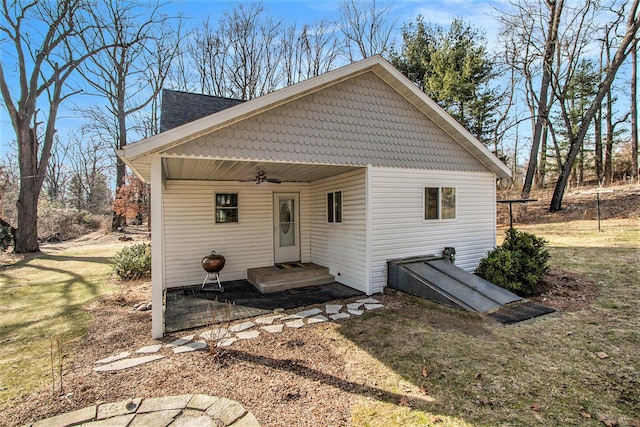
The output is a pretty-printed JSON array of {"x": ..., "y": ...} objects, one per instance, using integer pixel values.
[{"x": 517, "y": 312}]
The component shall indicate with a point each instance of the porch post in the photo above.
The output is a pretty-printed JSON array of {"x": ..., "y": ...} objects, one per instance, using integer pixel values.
[
  {"x": 368, "y": 228},
  {"x": 157, "y": 249}
]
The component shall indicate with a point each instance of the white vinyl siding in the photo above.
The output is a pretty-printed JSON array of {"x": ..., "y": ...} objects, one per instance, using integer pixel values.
[
  {"x": 341, "y": 247},
  {"x": 190, "y": 231},
  {"x": 398, "y": 227}
]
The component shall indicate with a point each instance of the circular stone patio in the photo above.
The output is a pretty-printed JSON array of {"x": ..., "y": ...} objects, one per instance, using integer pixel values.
[{"x": 193, "y": 410}]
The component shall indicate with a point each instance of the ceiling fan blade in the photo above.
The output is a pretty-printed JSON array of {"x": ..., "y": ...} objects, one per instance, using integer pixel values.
[{"x": 274, "y": 180}]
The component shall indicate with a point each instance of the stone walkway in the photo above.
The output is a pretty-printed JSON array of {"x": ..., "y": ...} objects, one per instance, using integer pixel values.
[
  {"x": 195, "y": 409},
  {"x": 224, "y": 337},
  {"x": 186, "y": 410}
]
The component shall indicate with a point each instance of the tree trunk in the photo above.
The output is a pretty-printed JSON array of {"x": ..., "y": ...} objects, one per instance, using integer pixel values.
[
  {"x": 555, "y": 10},
  {"x": 634, "y": 113},
  {"x": 27, "y": 232},
  {"x": 26, "y": 237},
  {"x": 597, "y": 123},
  {"x": 119, "y": 220},
  {"x": 608, "y": 147},
  {"x": 542, "y": 167}
]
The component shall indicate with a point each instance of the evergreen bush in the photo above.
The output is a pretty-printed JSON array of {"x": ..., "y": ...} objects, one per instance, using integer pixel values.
[
  {"x": 518, "y": 265},
  {"x": 133, "y": 262}
]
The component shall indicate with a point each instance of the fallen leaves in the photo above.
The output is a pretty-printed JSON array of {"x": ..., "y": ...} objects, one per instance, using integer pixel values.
[
  {"x": 535, "y": 407},
  {"x": 424, "y": 372},
  {"x": 602, "y": 355}
]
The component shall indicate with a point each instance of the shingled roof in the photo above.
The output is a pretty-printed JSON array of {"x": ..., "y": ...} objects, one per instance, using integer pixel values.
[{"x": 178, "y": 108}]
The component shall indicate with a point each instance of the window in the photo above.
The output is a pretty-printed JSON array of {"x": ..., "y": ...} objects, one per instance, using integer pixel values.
[
  {"x": 439, "y": 203},
  {"x": 334, "y": 207},
  {"x": 226, "y": 208}
]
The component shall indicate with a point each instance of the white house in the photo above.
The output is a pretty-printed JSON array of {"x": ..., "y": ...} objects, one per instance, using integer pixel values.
[{"x": 371, "y": 169}]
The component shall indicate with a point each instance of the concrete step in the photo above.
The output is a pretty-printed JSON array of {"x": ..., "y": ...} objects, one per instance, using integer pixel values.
[{"x": 274, "y": 279}]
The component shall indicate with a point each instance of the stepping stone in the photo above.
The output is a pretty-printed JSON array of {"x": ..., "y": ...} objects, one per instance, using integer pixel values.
[
  {"x": 249, "y": 420},
  {"x": 108, "y": 410},
  {"x": 69, "y": 418},
  {"x": 215, "y": 334},
  {"x": 303, "y": 314},
  {"x": 274, "y": 329},
  {"x": 192, "y": 346},
  {"x": 227, "y": 342},
  {"x": 248, "y": 335},
  {"x": 149, "y": 349},
  {"x": 333, "y": 308},
  {"x": 180, "y": 341},
  {"x": 119, "y": 421},
  {"x": 156, "y": 419},
  {"x": 295, "y": 323},
  {"x": 241, "y": 326},
  {"x": 115, "y": 358},
  {"x": 316, "y": 319},
  {"x": 338, "y": 316},
  {"x": 373, "y": 306},
  {"x": 127, "y": 363},
  {"x": 355, "y": 312},
  {"x": 267, "y": 320},
  {"x": 368, "y": 301},
  {"x": 192, "y": 418},
  {"x": 202, "y": 402},
  {"x": 354, "y": 305},
  {"x": 155, "y": 404},
  {"x": 226, "y": 410}
]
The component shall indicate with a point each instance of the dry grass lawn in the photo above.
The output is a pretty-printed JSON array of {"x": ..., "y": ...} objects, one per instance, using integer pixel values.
[{"x": 413, "y": 363}]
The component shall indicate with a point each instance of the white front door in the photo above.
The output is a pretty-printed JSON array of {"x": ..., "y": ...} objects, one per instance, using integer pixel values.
[{"x": 286, "y": 226}]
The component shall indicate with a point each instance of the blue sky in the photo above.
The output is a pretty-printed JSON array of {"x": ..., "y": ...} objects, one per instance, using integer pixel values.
[{"x": 479, "y": 13}]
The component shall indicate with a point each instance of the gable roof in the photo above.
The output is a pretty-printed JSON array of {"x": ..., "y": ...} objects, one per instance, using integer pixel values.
[
  {"x": 178, "y": 108},
  {"x": 137, "y": 155}
]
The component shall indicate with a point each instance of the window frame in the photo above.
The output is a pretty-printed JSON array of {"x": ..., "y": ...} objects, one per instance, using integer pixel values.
[
  {"x": 217, "y": 208},
  {"x": 441, "y": 207},
  {"x": 336, "y": 208}
]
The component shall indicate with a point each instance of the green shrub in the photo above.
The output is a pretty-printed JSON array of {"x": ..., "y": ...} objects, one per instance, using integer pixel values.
[
  {"x": 518, "y": 265},
  {"x": 133, "y": 262}
]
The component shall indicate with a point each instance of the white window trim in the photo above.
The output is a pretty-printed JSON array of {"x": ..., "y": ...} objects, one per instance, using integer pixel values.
[
  {"x": 215, "y": 208},
  {"x": 326, "y": 213},
  {"x": 424, "y": 204}
]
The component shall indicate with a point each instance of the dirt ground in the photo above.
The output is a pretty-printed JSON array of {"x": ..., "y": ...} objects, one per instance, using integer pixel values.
[{"x": 300, "y": 377}]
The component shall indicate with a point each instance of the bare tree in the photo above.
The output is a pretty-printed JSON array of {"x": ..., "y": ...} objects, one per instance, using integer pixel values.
[
  {"x": 47, "y": 41},
  {"x": 90, "y": 161},
  {"x": 622, "y": 51},
  {"x": 308, "y": 52},
  {"x": 57, "y": 176},
  {"x": 366, "y": 27},
  {"x": 634, "y": 112},
  {"x": 130, "y": 75},
  {"x": 521, "y": 26},
  {"x": 240, "y": 57}
]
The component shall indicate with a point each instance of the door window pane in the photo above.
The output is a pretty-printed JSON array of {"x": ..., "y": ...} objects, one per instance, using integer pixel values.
[{"x": 287, "y": 223}]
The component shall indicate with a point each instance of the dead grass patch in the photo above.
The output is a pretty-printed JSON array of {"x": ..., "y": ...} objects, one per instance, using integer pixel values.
[{"x": 412, "y": 363}]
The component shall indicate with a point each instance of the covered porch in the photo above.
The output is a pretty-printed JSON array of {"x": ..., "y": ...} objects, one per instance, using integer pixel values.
[{"x": 253, "y": 241}]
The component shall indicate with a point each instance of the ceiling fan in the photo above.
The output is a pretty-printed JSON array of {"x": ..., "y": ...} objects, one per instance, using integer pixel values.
[{"x": 262, "y": 177}]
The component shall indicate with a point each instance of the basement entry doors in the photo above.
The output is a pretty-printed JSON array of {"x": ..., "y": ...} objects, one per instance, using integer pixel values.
[{"x": 286, "y": 227}]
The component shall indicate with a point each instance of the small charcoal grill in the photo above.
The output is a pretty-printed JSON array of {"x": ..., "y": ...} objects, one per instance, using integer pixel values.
[{"x": 213, "y": 264}]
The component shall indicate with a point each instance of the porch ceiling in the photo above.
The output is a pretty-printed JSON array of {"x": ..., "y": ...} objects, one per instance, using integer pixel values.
[{"x": 231, "y": 170}]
